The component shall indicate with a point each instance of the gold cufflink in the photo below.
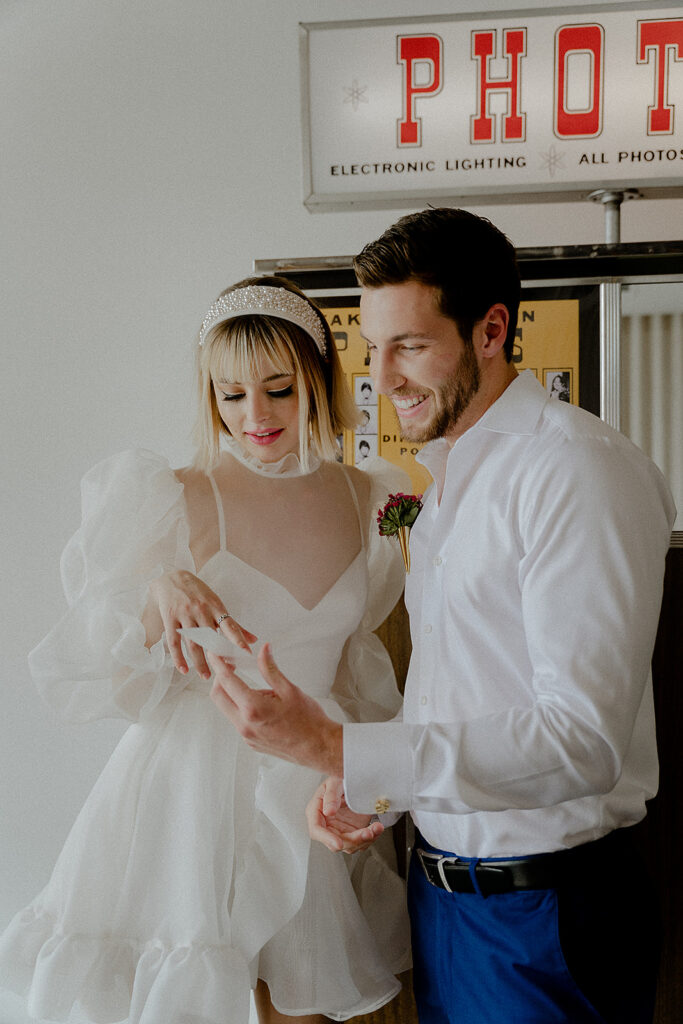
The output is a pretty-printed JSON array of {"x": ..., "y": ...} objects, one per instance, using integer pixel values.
[{"x": 382, "y": 805}]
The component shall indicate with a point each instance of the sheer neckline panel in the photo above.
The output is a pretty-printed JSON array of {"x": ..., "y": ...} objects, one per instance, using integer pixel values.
[{"x": 302, "y": 532}]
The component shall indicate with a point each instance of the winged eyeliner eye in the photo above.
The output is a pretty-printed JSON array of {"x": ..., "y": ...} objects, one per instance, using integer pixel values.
[{"x": 280, "y": 393}]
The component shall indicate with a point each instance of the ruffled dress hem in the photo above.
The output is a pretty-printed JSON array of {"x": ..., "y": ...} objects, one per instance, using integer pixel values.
[
  {"x": 74, "y": 979},
  {"x": 357, "y": 1011},
  {"x": 107, "y": 980}
]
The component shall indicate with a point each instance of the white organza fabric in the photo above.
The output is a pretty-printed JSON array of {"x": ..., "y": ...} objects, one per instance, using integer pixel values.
[{"x": 189, "y": 872}]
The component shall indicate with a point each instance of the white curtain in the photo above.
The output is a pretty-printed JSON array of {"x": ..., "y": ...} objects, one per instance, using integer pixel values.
[{"x": 652, "y": 392}]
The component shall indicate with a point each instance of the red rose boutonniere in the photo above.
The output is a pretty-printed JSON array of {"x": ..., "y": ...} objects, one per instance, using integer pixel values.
[{"x": 396, "y": 519}]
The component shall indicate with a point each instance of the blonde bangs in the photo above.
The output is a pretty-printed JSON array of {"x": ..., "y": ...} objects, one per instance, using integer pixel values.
[{"x": 237, "y": 349}]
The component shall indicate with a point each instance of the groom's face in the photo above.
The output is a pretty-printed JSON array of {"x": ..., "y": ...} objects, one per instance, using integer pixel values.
[{"x": 419, "y": 360}]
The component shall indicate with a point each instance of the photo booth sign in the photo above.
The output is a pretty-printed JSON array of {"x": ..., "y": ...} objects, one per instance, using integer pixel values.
[{"x": 549, "y": 104}]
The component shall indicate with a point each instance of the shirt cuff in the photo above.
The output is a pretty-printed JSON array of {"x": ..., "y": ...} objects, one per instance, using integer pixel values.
[{"x": 378, "y": 767}]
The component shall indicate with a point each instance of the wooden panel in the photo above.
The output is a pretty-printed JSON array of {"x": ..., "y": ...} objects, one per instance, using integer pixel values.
[
  {"x": 395, "y": 635},
  {"x": 401, "y": 1010}
]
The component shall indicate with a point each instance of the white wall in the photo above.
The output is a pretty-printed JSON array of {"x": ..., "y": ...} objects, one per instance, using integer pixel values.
[{"x": 150, "y": 151}]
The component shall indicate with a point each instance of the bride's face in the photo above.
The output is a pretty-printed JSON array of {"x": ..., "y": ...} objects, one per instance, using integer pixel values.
[{"x": 261, "y": 414}]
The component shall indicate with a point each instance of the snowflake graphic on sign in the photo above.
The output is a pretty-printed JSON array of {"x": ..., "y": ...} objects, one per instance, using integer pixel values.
[
  {"x": 552, "y": 160},
  {"x": 355, "y": 94}
]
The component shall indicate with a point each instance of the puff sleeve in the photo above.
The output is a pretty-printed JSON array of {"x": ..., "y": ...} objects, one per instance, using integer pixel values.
[
  {"x": 94, "y": 662},
  {"x": 365, "y": 687}
]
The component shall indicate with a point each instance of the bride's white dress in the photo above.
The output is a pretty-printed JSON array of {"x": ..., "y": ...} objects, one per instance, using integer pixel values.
[{"x": 189, "y": 871}]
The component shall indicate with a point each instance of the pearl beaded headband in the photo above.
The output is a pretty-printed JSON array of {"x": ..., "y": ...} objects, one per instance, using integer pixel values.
[{"x": 266, "y": 300}]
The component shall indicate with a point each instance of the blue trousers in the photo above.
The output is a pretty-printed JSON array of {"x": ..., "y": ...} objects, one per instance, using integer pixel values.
[{"x": 584, "y": 953}]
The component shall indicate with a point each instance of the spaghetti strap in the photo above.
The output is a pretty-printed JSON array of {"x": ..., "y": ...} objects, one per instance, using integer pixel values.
[
  {"x": 219, "y": 509},
  {"x": 361, "y": 523}
]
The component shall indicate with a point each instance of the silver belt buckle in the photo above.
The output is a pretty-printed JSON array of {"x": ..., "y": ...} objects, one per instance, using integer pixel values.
[{"x": 439, "y": 860}]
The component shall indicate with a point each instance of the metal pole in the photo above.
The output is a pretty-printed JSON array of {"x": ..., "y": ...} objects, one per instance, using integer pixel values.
[
  {"x": 610, "y": 310},
  {"x": 612, "y": 199},
  {"x": 613, "y": 221}
]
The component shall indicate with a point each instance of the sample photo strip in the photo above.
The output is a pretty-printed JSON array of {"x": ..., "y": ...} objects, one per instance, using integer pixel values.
[
  {"x": 365, "y": 446},
  {"x": 365, "y": 393},
  {"x": 558, "y": 384},
  {"x": 368, "y": 420}
]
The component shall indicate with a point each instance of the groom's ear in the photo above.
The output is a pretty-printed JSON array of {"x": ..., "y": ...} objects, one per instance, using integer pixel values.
[{"x": 492, "y": 331}]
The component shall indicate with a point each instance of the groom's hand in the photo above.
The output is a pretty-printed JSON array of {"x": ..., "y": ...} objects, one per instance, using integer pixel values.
[{"x": 282, "y": 720}]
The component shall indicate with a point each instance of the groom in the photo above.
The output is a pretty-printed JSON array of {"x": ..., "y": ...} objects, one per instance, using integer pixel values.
[{"x": 526, "y": 748}]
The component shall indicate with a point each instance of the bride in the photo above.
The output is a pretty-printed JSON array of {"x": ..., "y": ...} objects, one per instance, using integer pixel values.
[{"x": 189, "y": 878}]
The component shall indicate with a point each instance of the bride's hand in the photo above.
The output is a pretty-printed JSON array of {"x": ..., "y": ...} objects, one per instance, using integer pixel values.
[
  {"x": 332, "y": 822},
  {"x": 184, "y": 601}
]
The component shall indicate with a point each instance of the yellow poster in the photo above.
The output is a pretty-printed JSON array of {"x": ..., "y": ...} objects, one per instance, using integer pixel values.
[{"x": 547, "y": 343}]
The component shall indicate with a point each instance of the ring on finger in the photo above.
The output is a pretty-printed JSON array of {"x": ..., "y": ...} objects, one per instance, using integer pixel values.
[{"x": 220, "y": 619}]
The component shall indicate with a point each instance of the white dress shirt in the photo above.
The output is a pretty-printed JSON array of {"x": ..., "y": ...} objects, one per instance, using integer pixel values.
[{"x": 534, "y": 596}]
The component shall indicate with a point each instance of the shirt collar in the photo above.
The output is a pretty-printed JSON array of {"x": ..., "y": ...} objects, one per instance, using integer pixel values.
[{"x": 517, "y": 411}]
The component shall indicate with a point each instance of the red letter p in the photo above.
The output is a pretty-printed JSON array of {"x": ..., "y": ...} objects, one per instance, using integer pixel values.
[{"x": 414, "y": 50}]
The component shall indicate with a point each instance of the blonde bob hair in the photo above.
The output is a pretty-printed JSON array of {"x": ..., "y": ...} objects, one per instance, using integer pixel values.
[{"x": 234, "y": 349}]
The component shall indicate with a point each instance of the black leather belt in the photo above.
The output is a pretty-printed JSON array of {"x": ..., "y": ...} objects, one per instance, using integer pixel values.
[{"x": 544, "y": 871}]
